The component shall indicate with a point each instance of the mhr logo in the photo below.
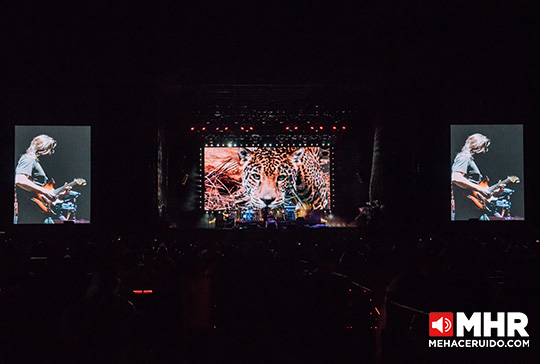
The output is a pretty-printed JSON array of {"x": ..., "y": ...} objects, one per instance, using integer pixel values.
[{"x": 480, "y": 323}]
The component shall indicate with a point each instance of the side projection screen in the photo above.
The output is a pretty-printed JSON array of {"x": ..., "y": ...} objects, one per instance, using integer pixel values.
[
  {"x": 273, "y": 178},
  {"x": 52, "y": 174},
  {"x": 487, "y": 172}
]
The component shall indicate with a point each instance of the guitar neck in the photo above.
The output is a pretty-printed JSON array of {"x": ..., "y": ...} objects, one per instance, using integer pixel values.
[
  {"x": 61, "y": 189},
  {"x": 498, "y": 184}
]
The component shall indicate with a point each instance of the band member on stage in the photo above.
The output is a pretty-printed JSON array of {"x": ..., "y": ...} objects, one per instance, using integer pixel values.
[
  {"x": 30, "y": 179},
  {"x": 270, "y": 221},
  {"x": 467, "y": 177}
]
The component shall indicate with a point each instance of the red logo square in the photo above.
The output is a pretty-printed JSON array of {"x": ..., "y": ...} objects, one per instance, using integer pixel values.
[{"x": 441, "y": 324}]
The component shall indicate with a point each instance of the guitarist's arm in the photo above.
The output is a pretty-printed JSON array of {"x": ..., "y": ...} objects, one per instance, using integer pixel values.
[
  {"x": 459, "y": 180},
  {"x": 24, "y": 182}
]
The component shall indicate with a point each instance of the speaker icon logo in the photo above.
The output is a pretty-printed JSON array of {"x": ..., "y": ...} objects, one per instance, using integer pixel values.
[{"x": 441, "y": 324}]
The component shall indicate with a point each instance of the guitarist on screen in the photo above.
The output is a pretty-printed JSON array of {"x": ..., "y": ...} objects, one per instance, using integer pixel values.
[
  {"x": 469, "y": 188},
  {"x": 31, "y": 183}
]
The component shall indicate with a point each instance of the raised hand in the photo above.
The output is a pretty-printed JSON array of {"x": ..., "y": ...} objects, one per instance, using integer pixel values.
[
  {"x": 66, "y": 191},
  {"x": 501, "y": 187}
]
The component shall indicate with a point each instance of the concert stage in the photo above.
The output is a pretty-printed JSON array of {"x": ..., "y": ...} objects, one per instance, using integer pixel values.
[{"x": 250, "y": 220}]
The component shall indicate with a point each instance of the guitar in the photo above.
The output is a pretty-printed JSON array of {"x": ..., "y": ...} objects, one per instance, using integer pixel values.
[
  {"x": 50, "y": 206},
  {"x": 482, "y": 202}
]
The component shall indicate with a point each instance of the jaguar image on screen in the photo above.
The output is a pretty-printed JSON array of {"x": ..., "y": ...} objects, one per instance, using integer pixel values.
[
  {"x": 257, "y": 178},
  {"x": 487, "y": 172},
  {"x": 52, "y": 174}
]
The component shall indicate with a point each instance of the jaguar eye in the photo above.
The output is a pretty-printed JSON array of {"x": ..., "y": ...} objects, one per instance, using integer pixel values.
[{"x": 256, "y": 177}]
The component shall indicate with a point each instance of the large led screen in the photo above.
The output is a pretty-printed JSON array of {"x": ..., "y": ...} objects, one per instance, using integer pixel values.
[
  {"x": 52, "y": 174},
  {"x": 261, "y": 178},
  {"x": 487, "y": 172}
]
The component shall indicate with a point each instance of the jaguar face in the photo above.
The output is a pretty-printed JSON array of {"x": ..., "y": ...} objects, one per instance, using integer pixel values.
[{"x": 269, "y": 175}]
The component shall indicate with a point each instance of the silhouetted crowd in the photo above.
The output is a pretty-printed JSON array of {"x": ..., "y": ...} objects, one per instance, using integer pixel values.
[{"x": 205, "y": 296}]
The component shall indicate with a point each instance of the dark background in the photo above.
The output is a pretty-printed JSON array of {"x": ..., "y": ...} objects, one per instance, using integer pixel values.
[{"x": 408, "y": 70}]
